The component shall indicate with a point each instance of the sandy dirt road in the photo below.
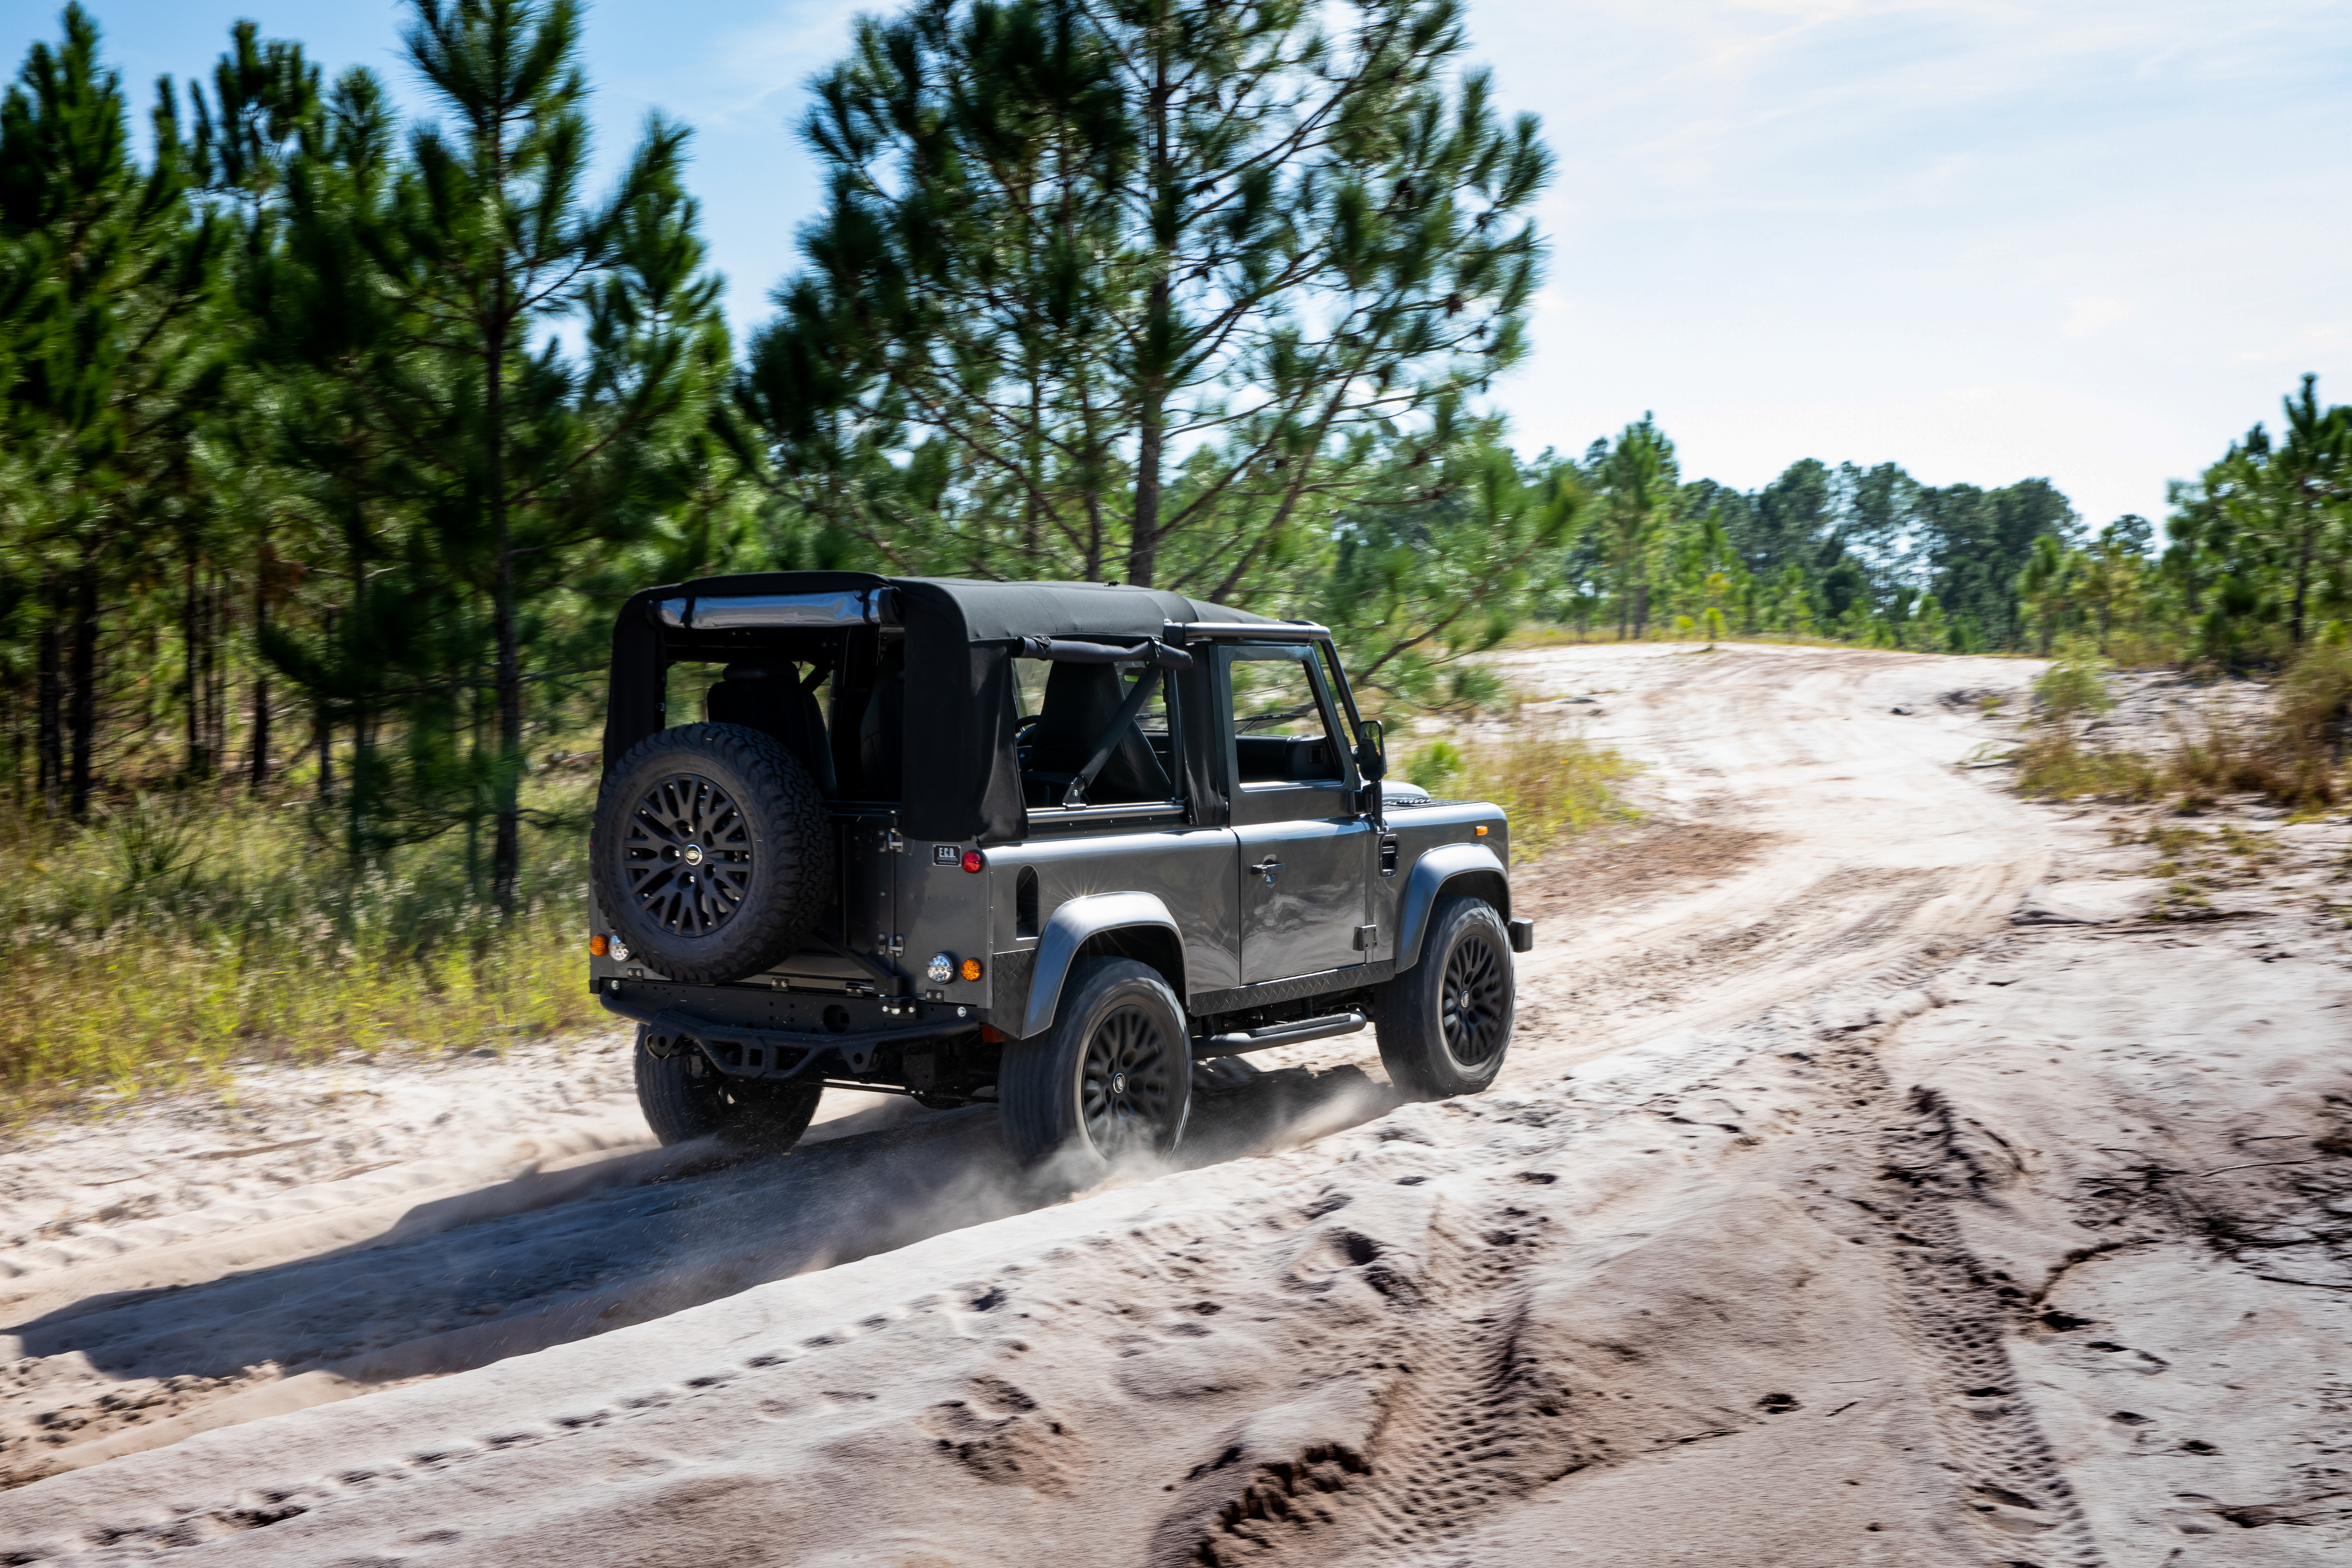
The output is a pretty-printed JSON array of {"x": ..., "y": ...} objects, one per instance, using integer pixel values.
[{"x": 1766, "y": 1249}]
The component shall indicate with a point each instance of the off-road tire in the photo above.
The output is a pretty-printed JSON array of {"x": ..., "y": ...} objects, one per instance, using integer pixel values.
[
  {"x": 761, "y": 1118},
  {"x": 1055, "y": 1092},
  {"x": 766, "y": 819},
  {"x": 1435, "y": 1046}
]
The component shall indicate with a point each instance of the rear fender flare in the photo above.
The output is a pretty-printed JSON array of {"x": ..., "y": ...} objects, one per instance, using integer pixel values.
[
  {"x": 1463, "y": 868},
  {"x": 1070, "y": 928}
]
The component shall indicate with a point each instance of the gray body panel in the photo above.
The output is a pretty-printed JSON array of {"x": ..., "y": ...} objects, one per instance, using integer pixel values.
[
  {"x": 1241, "y": 942},
  {"x": 1073, "y": 925},
  {"x": 1433, "y": 871},
  {"x": 1190, "y": 874},
  {"x": 1301, "y": 916}
]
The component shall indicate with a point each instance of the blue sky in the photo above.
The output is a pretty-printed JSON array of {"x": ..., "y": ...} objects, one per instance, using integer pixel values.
[{"x": 2086, "y": 239}]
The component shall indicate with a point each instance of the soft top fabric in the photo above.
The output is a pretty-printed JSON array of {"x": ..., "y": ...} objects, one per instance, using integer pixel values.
[
  {"x": 993, "y": 611},
  {"x": 961, "y": 779}
]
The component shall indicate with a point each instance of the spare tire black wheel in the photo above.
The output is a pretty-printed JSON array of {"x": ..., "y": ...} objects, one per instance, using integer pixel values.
[{"x": 712, "y": 856}]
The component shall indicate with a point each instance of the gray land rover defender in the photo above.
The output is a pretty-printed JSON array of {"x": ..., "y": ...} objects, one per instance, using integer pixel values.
[{"x": 1045, "y": 844}]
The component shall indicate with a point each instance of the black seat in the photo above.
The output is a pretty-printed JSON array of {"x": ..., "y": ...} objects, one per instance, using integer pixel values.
[
  {"x": 771, "y": 698},
  {"x": 1081, "y": 701},
  {"x": 881, "y": 736}
]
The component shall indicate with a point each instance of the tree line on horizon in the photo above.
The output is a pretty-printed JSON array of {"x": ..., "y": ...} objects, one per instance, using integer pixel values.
[{"x": 330, "y": 440}]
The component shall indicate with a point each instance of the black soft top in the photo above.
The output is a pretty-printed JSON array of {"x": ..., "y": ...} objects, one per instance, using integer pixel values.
[
  {"x": 984, "y": 612},
  {"x": 962, "y": 778}
]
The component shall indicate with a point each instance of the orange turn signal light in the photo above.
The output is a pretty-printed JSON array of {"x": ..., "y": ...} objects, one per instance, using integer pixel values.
[
  {"x": 971, "y": 969},
  {"x": 1482, "y": 832},
  {"x": 600, "y": 945}
]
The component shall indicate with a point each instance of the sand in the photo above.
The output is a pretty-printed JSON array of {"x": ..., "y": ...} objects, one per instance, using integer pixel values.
[{"x": 1885, "y": 1172}]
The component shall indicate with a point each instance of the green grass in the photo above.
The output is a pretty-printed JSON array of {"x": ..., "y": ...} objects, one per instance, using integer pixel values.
[
  {"x": 2055, "y": 765},
  {"x": 2294, "y": 755},
  {"x": 173, "y": 938},
  {"x": 1551, "y": 785}
]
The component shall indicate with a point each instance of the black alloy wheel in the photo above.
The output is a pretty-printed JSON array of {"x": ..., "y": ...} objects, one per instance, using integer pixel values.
[
  {"x": 688, "y": 854},
  {"x": 1445, "y": 1023},
  {"x": 1475, "y": 1003},
  {"x": 1110, "y": 1082},
  {"x": 1127, "y": 1088}
]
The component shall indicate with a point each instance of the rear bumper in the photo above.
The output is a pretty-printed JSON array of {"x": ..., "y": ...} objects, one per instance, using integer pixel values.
[{"x": 777, "y": 1056}]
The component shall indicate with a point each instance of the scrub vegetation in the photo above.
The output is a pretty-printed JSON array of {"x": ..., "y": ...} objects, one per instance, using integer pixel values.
[
  {"x": 1553, "y": 785},
  {"x": 166, "y": 939},
  {"x": 2291, "y": 751}
]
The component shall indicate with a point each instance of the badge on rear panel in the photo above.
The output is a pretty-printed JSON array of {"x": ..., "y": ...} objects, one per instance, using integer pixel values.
[{"x": 946, "y": 854}]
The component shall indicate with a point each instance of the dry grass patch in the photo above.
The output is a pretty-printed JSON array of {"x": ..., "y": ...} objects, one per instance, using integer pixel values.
[
  {"x": 2056, "y": 759},
  {"x": 2296, "y": 758},
  {"x": 168, "y": 940},
  {"x": 2294, "y": 755},
  {"x": 1551, "y": 785}
]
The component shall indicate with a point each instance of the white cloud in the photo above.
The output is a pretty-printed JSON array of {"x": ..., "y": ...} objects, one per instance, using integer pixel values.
[
  {"x": 2315, "y": 340},
  {"x": 2086, "y": 316}
]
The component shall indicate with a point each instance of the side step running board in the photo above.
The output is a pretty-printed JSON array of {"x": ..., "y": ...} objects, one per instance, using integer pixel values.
[{"x": 1235, "y": 1045}]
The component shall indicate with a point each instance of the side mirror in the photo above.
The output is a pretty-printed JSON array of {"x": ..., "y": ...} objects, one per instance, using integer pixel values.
[{"x": 1372, "y": 751}]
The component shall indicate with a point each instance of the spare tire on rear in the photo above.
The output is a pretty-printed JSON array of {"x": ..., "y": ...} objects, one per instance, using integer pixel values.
[{"x": 712, "y": 856}]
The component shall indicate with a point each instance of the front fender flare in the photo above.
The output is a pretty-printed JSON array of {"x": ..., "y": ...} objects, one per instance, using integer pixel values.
[
  {"x": 1431, "y": 873},
  {"x": 1069, "y": 928}
]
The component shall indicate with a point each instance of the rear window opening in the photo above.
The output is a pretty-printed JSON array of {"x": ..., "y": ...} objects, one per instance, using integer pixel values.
[{"x": 835, "y": 700}]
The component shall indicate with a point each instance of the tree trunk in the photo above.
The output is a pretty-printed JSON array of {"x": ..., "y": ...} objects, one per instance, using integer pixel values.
[
  {"x": 506, "y": 842},
  {"x": 82, "y": 703},
  {"x": 1151, "y": 396},
  {"x": 506, "y": 848},
  {"x": 49, "y": 702},
  {"x": 215, "y": 678},
  {"x": 1033, "y": 445},
  {"x": 1142, "y": 545},
  {"x": 476, "y": 723},
  {"x": 192, "y": 691},
  {"x": 257, "y": 774}
]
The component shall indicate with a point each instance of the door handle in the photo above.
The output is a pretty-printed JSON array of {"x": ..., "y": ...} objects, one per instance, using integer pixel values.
[{"x": 1266, "y": 868}]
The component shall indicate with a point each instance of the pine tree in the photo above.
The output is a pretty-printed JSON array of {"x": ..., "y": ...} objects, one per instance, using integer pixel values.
[
  {"x": 1428, "y": 569},
  {"x": 1927, "y": 631},
  {"x": 1150, "y": 273},
  {"x": 110, "y": 279},
  {"x": 265, "y": 101},
  {"x": 476, "y": 468},
  {"x": 1637, "y": 480}
]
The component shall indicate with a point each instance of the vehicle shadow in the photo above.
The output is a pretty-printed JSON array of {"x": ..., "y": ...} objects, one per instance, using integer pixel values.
[{"x": 468, "y": 1290}]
